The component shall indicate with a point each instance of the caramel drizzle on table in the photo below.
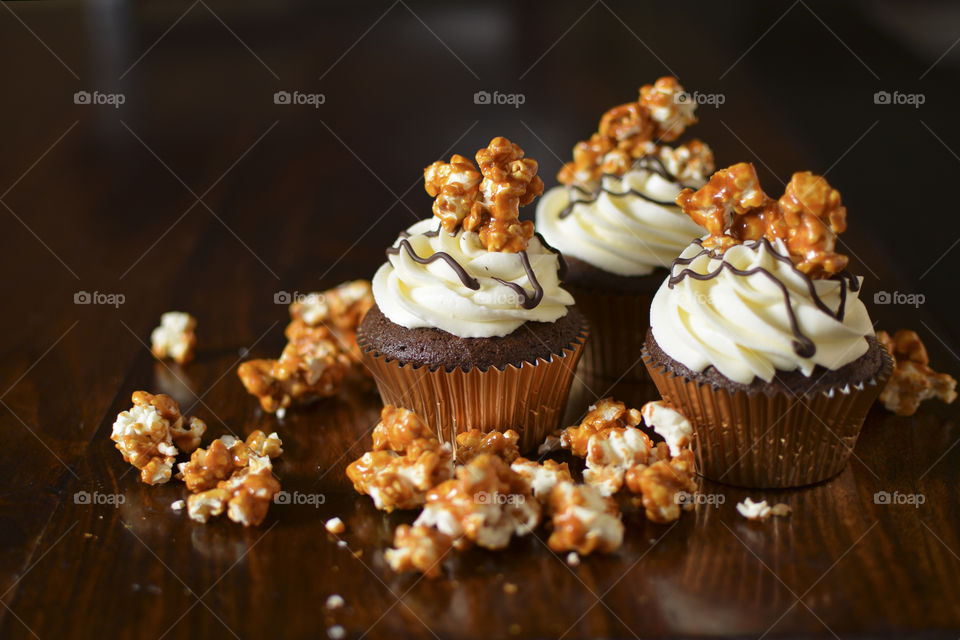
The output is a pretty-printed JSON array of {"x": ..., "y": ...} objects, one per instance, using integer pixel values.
[
  {"x": 650, "y": 163},
  {"x": 803, "y": 346},
  {"x": 529, "y": 301}
]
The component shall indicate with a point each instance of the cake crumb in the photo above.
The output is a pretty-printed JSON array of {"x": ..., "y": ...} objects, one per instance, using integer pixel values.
[
  {"x": 336, "y": 632},
  {"x": 781, "y": 510},
  {"x": 335, "y": 602},
  {"x": 573, "y": 559},
  {"x": 509, "y": 588},
  {"x": 335, "y": 525},
  {"x": 178, "y": 505}
]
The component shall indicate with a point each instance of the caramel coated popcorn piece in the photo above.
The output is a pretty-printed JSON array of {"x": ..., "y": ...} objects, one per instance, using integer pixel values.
[
  {"x": 670, "y": 108},
  {"x": 312, "y": 366},
  {"x": 541, "y": 477},
  {"x": 245, "y": 495},
  {"x": 807, "y": 218},
  {"x": 486, "y": 504},
  {"x": 398, "y": 429},
  {"x": 225, "y": 455},
  {"x": 456, "y": 187},
  {"x": 612, "y": 452},
  {"x": 734, "y": 190},
  {"x": 912, "y": 380},
  {"x": 669, "y": 424},
  {"x": 629, "y": 131},
  {"x": 147, "y": 435},
  {"x": 175, "y": 337},
  {"x": 606, "y": 414},
  {"x": 341, "y": 307},
  {"x": 407, "y": 460},
  {"x": 661, "y": 485},
  {"x": 418, "y": 548},
  {"x": 473, "y": 443},
  {"x": 489, "y": 206},
  {"x": 583, "y": 520},
  {"x": 690, "y": 162}
]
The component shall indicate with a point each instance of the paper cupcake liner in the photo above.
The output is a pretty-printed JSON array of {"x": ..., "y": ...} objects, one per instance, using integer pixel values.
[
  {"x": 777, "y": 440},
  {"x": 618, "y": 328},
  {"x": 530, "y": 399}
]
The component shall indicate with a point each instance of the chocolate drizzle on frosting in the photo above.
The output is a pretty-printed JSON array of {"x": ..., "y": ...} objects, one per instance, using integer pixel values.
[
  {"x": 530, "y": 301},
  {"x": 803, "y": 346},
  {"x": 468, "y": 281},
  {"x": 650, "y": 163}
]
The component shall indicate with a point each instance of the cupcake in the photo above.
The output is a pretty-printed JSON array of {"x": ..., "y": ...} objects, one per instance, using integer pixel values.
[
  {"x": 615, "y": 219},
  {"x": 471, "y": 328},
  {"x": 759, "y": 336}
]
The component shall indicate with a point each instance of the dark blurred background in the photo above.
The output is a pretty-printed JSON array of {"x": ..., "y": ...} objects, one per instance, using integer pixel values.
[{"x": 104, "y": 197}]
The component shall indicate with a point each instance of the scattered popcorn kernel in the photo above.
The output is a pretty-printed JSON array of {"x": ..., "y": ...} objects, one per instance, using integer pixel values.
[
  {"x": 754, "y": 510},
  {"x": 175, "y": 337},
  {"x": 334, "y": 602},
  {"x": 335, "y": 525},
  {"x": 418, "y": 548}
]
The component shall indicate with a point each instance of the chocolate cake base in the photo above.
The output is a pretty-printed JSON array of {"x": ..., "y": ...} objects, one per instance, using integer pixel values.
[
  {"x": 436, "y": 348},
  {"x": 863, "y": 369},
  {"x": 584, "y": 274}
]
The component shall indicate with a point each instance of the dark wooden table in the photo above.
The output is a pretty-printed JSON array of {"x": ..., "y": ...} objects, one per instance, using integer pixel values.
[{"x": 200, "y": 193}]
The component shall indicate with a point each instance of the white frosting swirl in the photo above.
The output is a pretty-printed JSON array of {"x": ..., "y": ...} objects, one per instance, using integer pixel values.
[
  {"x": 624, "y": 234},
  {"x": 416, "y": 295},
  {"x": 740, "y": 324}
]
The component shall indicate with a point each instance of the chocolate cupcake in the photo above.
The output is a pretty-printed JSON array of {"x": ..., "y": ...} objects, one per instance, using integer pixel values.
[
  {"x": 615, "y": 220},
  {"x": 472, "y": 328},
  {"x": 759, "y": 336}
]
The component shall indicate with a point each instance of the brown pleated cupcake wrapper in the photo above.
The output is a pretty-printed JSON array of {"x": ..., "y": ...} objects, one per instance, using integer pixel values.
[
  {"x": 530, "y": 399},
  {"x": 770, "y": 441},
  {"x": 618, "y": 328}
]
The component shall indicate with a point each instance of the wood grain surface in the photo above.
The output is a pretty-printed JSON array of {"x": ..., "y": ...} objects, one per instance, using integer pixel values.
[{"x": 200, "y": 193}]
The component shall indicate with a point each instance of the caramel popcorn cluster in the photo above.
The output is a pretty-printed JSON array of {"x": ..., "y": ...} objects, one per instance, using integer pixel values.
[
  {"x": 487, "y": 200},
  {"x": 320, "y": 352},
  {"x": 246, "y": 495},
  {"x": 149, "y": 434},
  {"x": 606, "y": 414},
  {"x": 489, "y": 494},
  {"x": 485, "y": 504},
  {"x": 912, "y": 380},
  {"x": 407, "y": 460},
  {"x": 175, "y": 337},
  {"x": 634, "y": 130},
  {"x": 340, "y": 310},
  {"x": 225, "y": 455},
  {"x": 619, "y": 455},
  {"x": 232, "y": 475},
  {"x": 807, "y": 218},
  {"x": 311, "y": 366}
]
